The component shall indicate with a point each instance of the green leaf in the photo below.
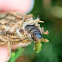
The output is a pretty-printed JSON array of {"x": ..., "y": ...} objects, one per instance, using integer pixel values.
[{"x": 16, "y": 54}]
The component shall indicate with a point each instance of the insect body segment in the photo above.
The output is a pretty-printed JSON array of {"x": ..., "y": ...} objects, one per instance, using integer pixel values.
[{"x": 34, "y": 31}]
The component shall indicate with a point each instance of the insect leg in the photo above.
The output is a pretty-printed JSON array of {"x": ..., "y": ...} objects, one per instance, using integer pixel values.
[{"x": 44, "y": 40}]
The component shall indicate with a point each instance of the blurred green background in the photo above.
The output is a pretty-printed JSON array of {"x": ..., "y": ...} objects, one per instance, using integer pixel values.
[{"x": 50, "y": 11}]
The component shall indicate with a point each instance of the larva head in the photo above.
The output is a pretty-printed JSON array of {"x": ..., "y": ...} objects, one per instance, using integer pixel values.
[{"x": 36, "y": 35}]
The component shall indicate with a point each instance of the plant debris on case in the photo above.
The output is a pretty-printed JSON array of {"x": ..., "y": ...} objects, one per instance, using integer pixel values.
[{"x": 16, "y": 28}]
